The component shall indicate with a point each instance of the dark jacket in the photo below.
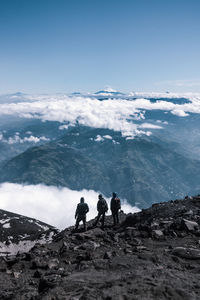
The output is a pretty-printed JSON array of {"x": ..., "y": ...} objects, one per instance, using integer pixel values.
[
  {"x": 115, "y": 204},
  {"x": 82, "y": 209},
  {"x": 102, "y": 206}
]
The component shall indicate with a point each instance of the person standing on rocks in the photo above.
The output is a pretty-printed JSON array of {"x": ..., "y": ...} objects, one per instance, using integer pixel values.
[
  {"x": 115, "y": 206},
  {"x": 81, "y": 211},
  {"x": 102, "y": 208}
]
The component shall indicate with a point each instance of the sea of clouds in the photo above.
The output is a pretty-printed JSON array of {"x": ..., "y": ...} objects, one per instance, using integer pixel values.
[
  {"x": 52, "y": 205},
  {"x": 57, "y": 206},
  {"x": 115, "y": 114}
]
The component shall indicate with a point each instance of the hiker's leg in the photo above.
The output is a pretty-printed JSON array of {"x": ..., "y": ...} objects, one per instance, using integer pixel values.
[
  {"x": 117, "y": 217},
  {"x": 97, "y": 220},
  {"x": 103, "y": 219},
  {"x": 84, "y": 223}
]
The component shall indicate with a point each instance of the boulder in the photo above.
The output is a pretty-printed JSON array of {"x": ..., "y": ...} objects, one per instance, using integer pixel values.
[{"x": 189, "y": 225}]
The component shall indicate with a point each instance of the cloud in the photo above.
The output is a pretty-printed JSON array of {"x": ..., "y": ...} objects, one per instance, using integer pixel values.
[
  {"x": 179, "y": 113},
  {"x": 99, "y": 138},
  {"x": 17, "y": 139},
  {"x": 150, "y": 126},
  {"x": 108, "y": 137},
  {"x": 114, "y": 114},
  {"x": 62, "y": 127},
  {"x": 52, "y": 205}
]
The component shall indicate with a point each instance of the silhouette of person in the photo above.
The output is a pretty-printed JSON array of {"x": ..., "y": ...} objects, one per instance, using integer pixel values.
[
  {"x": 115, "y": 206},
  {"x": 102, "y": 208},
  {"x": 81, "y": 211}
]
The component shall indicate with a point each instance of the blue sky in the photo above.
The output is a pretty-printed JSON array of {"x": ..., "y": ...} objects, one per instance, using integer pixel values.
[{"x": 83, "y": 45}]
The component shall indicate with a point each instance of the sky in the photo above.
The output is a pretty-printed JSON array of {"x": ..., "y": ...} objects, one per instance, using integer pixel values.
[{"x": 62, "y": 46}]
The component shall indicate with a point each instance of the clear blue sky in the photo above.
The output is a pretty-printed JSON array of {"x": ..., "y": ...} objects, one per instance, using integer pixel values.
[{"x": 83, "y": 45}]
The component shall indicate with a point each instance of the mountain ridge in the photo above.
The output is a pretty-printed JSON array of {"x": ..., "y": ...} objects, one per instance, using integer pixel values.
[{"x": 140, "y": 170}]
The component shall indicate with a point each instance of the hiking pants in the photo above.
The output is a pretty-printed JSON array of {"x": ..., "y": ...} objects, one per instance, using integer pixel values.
[
  {"x": 102, "y": 219},
  {"x": 115, "y": 217},
  {"x": 79, "y": 219}
]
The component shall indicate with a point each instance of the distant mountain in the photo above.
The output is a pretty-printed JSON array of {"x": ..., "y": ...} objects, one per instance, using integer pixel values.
[
  {"x": 108, "y": 92},
  {"x": 141, "y": 170},
  {"x": 19, "y": 233},
  {"x": 17, "y": 135}
]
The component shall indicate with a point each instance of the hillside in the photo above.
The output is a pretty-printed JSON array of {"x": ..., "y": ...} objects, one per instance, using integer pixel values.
[
  {"x": 142, "y": 170},
  {"x": 19, "y": 234},
  {"x": 151, "y": 255}
]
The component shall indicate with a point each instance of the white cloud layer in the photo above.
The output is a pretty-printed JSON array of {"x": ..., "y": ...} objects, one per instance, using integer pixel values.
[
  {"x": 52, "y": 205},
  {"x": 115, "y": 114}
]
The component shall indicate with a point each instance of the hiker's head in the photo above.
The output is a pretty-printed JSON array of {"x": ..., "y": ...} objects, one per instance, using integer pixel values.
[
  {"x": 82, "y": 200},
  {"x": 100, "y": 197},
  {"x": 114, "y": 195}
]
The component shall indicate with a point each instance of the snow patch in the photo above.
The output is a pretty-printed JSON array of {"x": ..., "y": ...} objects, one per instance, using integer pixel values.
[{"x": 6, "y": 225}]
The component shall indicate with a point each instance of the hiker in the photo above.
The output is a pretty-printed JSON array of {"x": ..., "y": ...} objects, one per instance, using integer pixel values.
[
  {"x": 102, "y": 208},
  {"x": 115, "y": 206},
  {"x": 81, "y": 211}
]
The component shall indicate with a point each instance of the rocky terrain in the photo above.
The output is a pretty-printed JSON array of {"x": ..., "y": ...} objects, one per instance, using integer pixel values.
[
  {"x": 153, "y": 254},
  {"x": 18, "y": 234}
]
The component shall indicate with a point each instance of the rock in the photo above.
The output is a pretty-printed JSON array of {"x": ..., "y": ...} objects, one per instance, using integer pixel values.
[
  {"x": 91, "y": 234},
  {"x": 48, "y": 282},
  {"x": 39, "y": 263},
  {"x": 189, "y": 225},
  {"x": 37, "y": 274},
  {"x": 107, "y": 255},
  {"x": 53, "y": 263},
  {"x": 188, "y": 253},
  {"x": 28, "y": 257},
  {"x": 157, "y": 234},
  {"x": 165, "y": 223},
  {"x": 128, "y": 251},
  {"x": 16, "y": 274},
  {"x": 90, "y": 246},
  {"x": 11, "y": 260},
  {"x": 3, "y": 265},
  {"x": 154, "y": 226},
  {"x": 189, "y": 213},
  {"x": 63, "y": 248},
  {"x": 136, "y": 242},
  {"x": 131, "y": 231}
]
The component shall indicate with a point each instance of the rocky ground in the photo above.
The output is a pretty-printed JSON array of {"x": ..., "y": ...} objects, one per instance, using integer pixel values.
[{"x": 154, "y": 254}]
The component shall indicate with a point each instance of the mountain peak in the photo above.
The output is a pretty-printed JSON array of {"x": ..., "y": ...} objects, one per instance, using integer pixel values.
[{"x": 108, "y": 91}]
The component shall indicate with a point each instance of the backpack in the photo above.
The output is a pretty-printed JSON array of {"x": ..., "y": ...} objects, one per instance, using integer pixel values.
[
  {"x": 115, "y": 204},
  {"x": 102, "y": 205},
  {"x": 82, "y": 209}
]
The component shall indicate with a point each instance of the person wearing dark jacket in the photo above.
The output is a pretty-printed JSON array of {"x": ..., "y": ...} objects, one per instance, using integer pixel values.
[
  {"x": 102, "y": 208},
  {"x": 81, "y": 211},
  {"x": 115, "y": 206}
]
